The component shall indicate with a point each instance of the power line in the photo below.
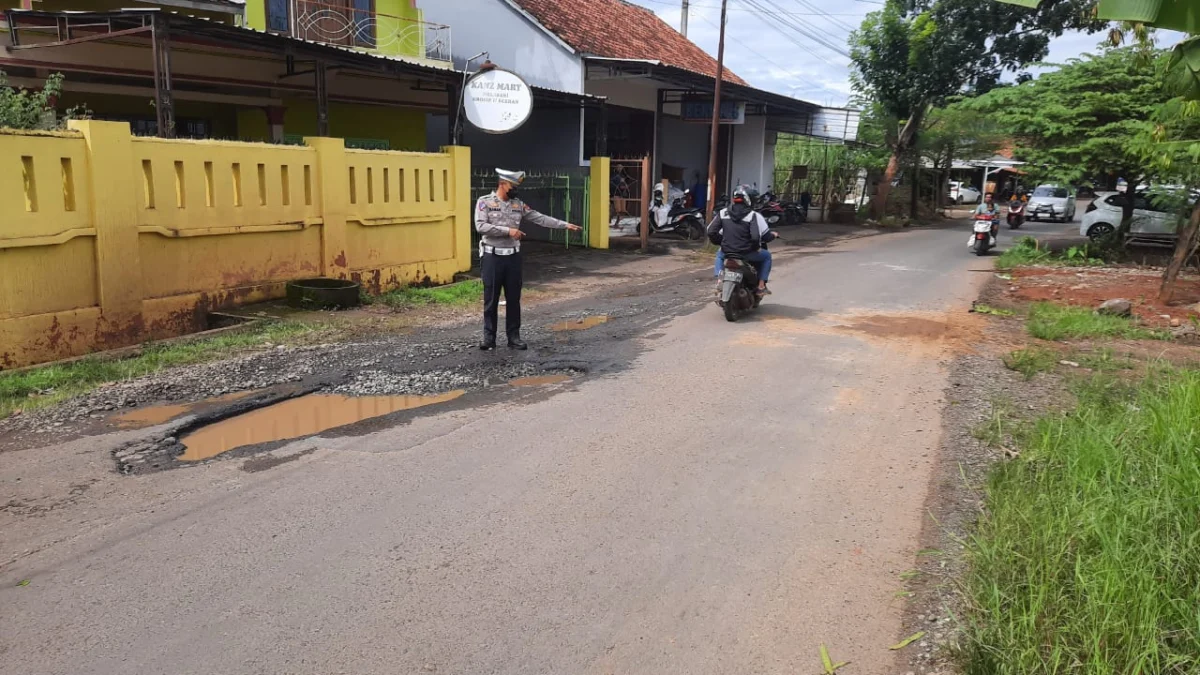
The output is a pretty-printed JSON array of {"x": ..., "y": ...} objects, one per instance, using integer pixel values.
[
  {"x": 668, "y": 3},
  {"x": 796, "y": 28},
  {"x": 829, "y": 17}
]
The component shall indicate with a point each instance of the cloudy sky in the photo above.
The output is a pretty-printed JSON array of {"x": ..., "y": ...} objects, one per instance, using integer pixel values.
[{"x": 794, "y": 64}]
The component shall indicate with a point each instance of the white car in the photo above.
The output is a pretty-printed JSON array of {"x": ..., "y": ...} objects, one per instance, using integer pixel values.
[
  {"x": 1051, "y": 202},
  {"x": 961, "y": 193},
  {"x": 1148, "y": 220}
]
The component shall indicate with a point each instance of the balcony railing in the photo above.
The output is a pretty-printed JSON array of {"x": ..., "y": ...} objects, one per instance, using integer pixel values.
[{"x": 354, "y": 23}]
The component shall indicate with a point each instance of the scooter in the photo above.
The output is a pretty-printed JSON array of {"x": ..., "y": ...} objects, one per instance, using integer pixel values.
[
  {"x": 1016, "y": 214},
  {"x": 739, "y": 288},
  {"x": 984, "y": 235},
  {"x": 772, "y": 210},
  {"x": 676, "y": 218}
]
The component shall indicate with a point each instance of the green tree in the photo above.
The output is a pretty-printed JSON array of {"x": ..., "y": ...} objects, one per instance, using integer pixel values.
[
  {"x": 24, "y": 109},
  {"x": 1082, "y": 120},
  {"x": 956, "y": 132},
  {"x": 914, "y": 54}
]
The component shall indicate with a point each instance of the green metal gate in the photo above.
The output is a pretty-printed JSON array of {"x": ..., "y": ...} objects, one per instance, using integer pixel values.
[{"x": 560, "y": 193}]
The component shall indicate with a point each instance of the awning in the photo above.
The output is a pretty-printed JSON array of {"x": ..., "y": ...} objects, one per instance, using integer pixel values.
[{"x": 90, "y": 26}]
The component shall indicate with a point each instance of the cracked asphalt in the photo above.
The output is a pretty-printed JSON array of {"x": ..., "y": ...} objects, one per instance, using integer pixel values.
[{"x": 699, "y": 497}]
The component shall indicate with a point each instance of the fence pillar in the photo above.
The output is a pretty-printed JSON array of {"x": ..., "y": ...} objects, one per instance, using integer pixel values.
[
  {"x": 333, "y": 186},
  {"x": 598, "y": 209},
  {"x": 464, "y": 210},
  {"x": 114, "y": 214}
]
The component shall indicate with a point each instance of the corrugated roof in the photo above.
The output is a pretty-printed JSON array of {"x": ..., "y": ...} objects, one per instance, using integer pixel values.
[{"x": 617, "y": 29}]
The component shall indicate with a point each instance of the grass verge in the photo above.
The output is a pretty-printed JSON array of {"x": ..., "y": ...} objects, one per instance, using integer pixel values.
[
  {"x": 454, "y": 295},
  {"x": 1087, "y": 559},
  {"x": 1027, "y": 251},
  {"x": 1031, "y": 361},
  {"x": 1049, "y": 321},
  {"x": 41, "y": 387}
]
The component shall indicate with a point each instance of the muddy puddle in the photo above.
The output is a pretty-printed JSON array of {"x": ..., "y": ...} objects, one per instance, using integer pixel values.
[
  {"x": 579, "y": 324},
  {"x": 297, "y": 417},
  {"x": 538, "y": 381},
  {"x": 160, "y": 414}
]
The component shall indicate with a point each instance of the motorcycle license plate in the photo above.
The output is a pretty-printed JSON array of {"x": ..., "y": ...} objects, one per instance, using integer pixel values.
[{"x": 732, "y": 276}]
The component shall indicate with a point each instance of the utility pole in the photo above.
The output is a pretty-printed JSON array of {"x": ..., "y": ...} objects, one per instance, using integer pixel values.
[
  {"x": 716, "y": 120},
  {"x": 683, "y": 21}
]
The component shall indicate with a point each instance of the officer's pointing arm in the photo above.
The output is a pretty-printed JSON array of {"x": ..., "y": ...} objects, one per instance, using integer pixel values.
[{"x": 532, "y": 217}]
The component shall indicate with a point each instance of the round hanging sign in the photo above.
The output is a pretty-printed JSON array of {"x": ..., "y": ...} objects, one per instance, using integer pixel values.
[{"x": 497, "y": 101}]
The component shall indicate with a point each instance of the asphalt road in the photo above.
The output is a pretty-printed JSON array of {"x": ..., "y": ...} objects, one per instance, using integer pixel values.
[{"x": 737, "y": 496}]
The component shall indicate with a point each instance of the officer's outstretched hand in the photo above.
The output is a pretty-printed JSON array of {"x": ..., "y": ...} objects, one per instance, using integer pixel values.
[
  {"x": 515, "y": 233},
  {"x": 573, "y": 228}
]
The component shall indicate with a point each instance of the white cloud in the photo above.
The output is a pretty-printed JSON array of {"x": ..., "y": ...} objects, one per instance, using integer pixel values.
[{"x": 796, "y": 65}]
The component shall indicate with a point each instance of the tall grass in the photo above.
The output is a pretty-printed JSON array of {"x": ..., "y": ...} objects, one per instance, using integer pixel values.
[
  {"x": 1087, "y": 560},
  {"x": 1048, "y": 321},
  {"x": 40, "y": 387}
]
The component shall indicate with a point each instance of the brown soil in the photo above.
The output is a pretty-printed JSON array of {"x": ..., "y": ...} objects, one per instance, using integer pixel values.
[{"x": 1088, "y": 287}]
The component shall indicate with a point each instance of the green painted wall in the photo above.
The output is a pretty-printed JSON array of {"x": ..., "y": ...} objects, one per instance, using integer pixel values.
[{"x": 402, "y": 128}]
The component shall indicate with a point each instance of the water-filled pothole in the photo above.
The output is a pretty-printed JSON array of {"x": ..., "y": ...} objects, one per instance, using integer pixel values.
[
  {"x": 159, "y": 414},
  {"x": 580, "y": 324},
  {"x": 297, "y": 417}
]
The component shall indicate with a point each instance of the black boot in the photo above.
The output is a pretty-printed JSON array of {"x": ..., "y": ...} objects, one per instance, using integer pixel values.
[
  {"x": 517, "y": 343},
  {"x": 488, "y": 343}
]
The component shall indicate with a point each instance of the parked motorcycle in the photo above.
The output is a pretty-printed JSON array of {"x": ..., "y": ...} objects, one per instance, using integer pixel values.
[
  {"x": 676, "y": 218},
  {"x": 771, "y": 209},
  {"x": 984, "y": 236},
  {"x": 793, "y": 214},
  {"x": 1016, "y": 214},
  {"x": 739, "y": 286}
]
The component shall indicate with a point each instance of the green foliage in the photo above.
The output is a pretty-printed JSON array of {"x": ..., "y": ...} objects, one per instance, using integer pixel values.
[
  {"x": 1031, "y": 361},
  {"x": 1082, "y": 120},
  {"x": 24, "y": 109},
  {"x": 1025, "y": 251},
  {"x": 40, "y": 387},
  {"x": 457, "y": 295},
  {"x": 1085, "y": 558},
  {"x": 1048, "y": 321}
]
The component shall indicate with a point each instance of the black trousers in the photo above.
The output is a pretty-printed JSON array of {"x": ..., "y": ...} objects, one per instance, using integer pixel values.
[{"x": 501, "y": 271}]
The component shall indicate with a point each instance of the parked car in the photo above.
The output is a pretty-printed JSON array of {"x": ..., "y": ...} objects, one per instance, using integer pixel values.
[
  {"x": 961, "y": 193},
  {"x": 1098, "y": 199},
  {"x": 1052, "y": 202},
  {"x": 1150, "y": 220}
]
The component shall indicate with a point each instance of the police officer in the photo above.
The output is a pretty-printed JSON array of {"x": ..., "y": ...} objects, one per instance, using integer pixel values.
[{"x": 498, "y": 218}]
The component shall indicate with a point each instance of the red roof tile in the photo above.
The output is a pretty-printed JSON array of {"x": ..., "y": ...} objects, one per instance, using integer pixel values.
[{"x": 620, "y": 30}]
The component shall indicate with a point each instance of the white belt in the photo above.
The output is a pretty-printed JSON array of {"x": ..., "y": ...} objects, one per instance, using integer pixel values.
[{"x": 484, "y": 248}]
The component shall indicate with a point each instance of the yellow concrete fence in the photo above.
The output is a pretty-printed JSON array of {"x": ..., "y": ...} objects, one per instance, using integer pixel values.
[{"x": 108, "y": 240}]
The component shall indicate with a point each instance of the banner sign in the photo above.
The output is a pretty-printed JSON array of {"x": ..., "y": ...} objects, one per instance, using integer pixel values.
[{"x": 497, "y": 101}]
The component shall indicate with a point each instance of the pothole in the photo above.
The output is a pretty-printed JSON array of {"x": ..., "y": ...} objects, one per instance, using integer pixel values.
[
  {"x": 297, "y": 417},
  {"x": 579, "y": 324},
  {"x": 159, "y": 414}
]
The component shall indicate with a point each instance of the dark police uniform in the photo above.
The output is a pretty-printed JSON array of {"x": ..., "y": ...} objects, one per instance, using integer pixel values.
[{"x": 500, "y": 260}]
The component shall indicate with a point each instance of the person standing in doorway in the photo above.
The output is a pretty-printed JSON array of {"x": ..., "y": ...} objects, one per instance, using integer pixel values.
[{"x": 498, "y": 219}]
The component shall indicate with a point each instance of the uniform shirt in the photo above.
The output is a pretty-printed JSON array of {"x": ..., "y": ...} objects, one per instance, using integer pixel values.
[{"x": 494, "y": 217}]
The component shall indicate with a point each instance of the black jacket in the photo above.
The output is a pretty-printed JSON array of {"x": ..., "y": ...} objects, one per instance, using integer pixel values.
[{"x": 739, "y": 231}]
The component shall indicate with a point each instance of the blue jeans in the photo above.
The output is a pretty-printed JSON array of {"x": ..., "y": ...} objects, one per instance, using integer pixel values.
[{"x": 761, "y": 259}]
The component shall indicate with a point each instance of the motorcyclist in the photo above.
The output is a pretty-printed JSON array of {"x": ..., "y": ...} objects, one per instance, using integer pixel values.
[
  {"x": 988, "y": 207},
  {"x": 740, "y": 230}
]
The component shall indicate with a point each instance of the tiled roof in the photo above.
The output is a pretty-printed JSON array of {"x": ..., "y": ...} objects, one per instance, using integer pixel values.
[{"x": 620, "y": 30}]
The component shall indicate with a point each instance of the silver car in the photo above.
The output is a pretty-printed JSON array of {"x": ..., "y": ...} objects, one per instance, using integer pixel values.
[{"x": 1053, "y": 203}]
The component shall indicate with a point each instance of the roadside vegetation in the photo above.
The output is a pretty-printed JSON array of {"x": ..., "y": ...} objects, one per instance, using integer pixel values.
[
  {"x": 1048, "y": 321},
  {"x": 44, "y": 386},
  {"x": 1085, "y": 560},
  {"x": 462, "y": 294},
  {"x": 1027, "y": 251}
]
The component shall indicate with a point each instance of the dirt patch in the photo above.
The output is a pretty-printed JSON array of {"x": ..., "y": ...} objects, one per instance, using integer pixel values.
[
  {"x": 900, "y": 327},
  {"x": 1088, "y": 287}
]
